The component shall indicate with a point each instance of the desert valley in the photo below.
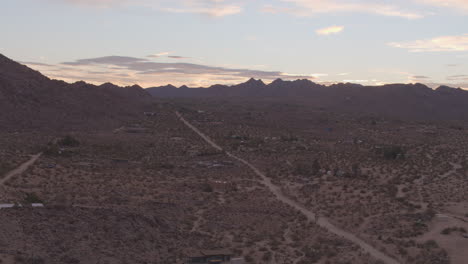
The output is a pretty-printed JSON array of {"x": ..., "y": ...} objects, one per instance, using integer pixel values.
[{"x": 289, "y": 172}]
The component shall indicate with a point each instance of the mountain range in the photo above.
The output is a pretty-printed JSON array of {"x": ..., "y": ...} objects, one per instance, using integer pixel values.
[
  {"x": 413, "y": 101},
  {"x": 30, "y": 100}
]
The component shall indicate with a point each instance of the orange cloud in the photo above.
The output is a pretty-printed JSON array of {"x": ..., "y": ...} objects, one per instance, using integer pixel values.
[{"x": 330, "y": 30}]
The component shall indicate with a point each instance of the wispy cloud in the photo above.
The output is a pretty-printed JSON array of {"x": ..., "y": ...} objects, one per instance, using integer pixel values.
[
  {"x": 459, "y": 77},
  {"x": 213, "y": 8},
  {"x": 420, "y": 77},
  {"x": 459, "y": 5},
  {"x": 316, "y": 7},
  {"x": 330, "y": 30},
  {"x": 113, "y": 60},
  {"x": 157, "y": 55},
  {"x": 444, "y": 43},
  {"x": 178, "y": 57},
  {"x": 130, "y": 70}
]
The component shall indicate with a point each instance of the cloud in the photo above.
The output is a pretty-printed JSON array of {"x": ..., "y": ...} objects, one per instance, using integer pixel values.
[
  {"x": 459, "y": 5},
  {"x": 36, "y": 63},
  {"x": 444, "y": 43},
  {"x": 316, "y": 7},
  {"x": 157, "y": 55},
  {"x": 178, "y": 57},
  {"x": 358, "y": 81},
  {"x": 130, "y": 70},
  {"x": 213, "y": 8},
  {"x": 460, "y": 77},
  {"x": 420, "y": 77},
  {"x": 330, "y": 30},
  {"x": 113, "y": 60}
]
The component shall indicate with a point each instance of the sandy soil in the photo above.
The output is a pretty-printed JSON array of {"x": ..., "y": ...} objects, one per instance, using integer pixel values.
[
  {"x": 454, "y": 243},
  {"x": 22, "y": 168},
  {"x": 323, "y": 222}
]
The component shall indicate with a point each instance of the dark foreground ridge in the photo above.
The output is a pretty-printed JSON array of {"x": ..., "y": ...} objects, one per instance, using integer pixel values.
[{"x": 30, "y": 100}]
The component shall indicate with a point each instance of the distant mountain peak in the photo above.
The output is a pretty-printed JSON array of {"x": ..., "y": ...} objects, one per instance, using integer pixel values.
[
  {"x": 447, "y": 89},
  {"x": 277, "y": 81},
  {"x": 135, "y": 86},
  {"x": 108, "y": 85},
  {"x": 255, "y": 82}
]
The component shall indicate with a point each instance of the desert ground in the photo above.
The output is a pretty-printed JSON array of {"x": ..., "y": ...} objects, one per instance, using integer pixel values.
[{"x": 274, "y": 182}]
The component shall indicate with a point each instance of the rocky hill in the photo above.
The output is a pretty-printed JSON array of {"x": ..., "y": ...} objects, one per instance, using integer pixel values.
[{"x": 29, "y": 100}]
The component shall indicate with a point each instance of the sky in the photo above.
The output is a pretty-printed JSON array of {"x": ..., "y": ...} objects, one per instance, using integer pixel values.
[{"x": 204, "y": 42}]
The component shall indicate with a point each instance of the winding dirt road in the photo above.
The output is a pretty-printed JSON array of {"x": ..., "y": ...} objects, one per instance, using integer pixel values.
[
  {"x": 321, "y": 221},
  {"x": 22, "y": 168}
]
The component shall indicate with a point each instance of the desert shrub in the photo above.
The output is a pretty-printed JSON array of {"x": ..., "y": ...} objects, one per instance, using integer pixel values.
[
  {"x": 356, "y": 169},
  {"x": 248, "y": 259},
  {"x": 393, "y": 152},
  {"x": 167, "y": 166},
  {"x": 449, "y": 230},
  {"x": 312, "y": 255},
  {"x": 186, "y": 110},
  {"x": 35, "y": 260},
  {"x": 69, "y": 141},
  {"x": 19, "y": 259},
  {"x": 446, "y": 231},
  {"x": 456, "y": 127},
  {"x": 306, "y": 168},
  {"x": 69, "y": 260},
  {"x": 4, "y": 167},
  {"x": 206, "y": 187},
  {"x": 205, "y": 153},
  {"x": 301, "y": 169},
  {"x": 32, "y": 198},
  {"x": 430, "y": 244},
  {"x": 51, "y": 150},
  {"x": 289, "y": 138},
  {"x": 267, "y": 256}
]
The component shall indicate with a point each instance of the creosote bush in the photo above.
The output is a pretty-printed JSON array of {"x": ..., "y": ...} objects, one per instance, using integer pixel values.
[
  {"x": 32, "y": 198},
  {"x": 393, "y": 152},
  {"x": 69, "y": 141}
]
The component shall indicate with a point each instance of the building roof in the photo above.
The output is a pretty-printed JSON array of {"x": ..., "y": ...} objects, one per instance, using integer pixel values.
[{"x": 6, "y": 206}]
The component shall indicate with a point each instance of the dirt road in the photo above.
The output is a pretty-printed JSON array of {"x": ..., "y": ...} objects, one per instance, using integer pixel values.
[
  {"x": 322, "y": 221},
  {"x": 22, "y": 168}
]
